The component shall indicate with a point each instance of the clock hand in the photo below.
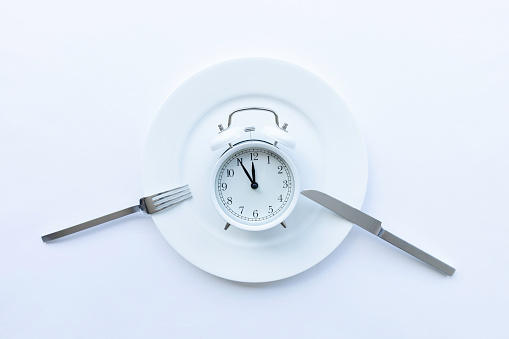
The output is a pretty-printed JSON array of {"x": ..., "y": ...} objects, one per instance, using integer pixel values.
[
  {"x": 254, "y": 185},
  {"x": 245, "y": 171}
]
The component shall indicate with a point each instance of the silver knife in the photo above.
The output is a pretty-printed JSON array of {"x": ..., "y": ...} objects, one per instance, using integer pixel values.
[{"x": 374, "y": 226}]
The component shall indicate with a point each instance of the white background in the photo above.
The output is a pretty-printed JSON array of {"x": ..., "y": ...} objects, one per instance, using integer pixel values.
[{"x": 81, "y": 82}]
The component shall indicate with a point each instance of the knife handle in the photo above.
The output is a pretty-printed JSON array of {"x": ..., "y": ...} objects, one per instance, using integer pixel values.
[{"x": 419, "y": 254}]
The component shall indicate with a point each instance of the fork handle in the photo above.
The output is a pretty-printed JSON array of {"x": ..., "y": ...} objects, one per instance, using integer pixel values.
[{"x": 91, "y": 223}]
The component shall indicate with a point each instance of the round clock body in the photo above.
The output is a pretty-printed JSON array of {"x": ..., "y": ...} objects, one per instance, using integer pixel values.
[{"x": 255, "y": 185}]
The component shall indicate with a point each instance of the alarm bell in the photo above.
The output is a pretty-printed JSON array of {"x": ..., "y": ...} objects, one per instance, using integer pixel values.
[
  {"x": 225, "y": 137},
  {"x": 228, "y": 135},
  {"x": 280, "y": 135}
]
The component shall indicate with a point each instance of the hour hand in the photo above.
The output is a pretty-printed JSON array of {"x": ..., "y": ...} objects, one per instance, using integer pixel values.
[
  {"x": 253, "y": 172},
  {"x": 254, "y": 184}
]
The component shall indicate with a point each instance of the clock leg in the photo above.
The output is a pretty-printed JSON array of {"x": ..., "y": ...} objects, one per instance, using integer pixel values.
[{"x": 228, "y": 225}]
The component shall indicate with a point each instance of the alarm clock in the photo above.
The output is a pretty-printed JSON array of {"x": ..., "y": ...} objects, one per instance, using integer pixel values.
[{"x": 254, "y": 184}]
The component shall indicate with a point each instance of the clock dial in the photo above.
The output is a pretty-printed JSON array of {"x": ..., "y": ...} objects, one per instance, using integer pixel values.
[{"x": 255, "y": 186}]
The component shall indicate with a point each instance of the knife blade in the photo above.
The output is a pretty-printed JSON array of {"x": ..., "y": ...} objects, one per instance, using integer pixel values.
[{"x": 374, "y": 226}]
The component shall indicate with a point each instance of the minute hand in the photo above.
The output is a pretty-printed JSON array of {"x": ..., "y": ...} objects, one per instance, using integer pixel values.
[
  {"x": 374, "y": 226},
  {"x": 247, "y": 173}
]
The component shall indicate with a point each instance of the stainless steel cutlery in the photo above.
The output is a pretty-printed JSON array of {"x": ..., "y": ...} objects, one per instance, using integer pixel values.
[
  {"x": 150, "y": 204},
  {"x": 374, "y": 226}
]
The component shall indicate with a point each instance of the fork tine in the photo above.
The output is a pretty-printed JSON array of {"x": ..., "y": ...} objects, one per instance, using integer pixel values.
[
  {"x": 169, "y": 197},
  {"x": 165, "y": 194},
  {"x": 172, "y": 202}
]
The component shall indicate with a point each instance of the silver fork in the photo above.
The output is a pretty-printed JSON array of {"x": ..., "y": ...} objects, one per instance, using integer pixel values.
[{"x": 151, "y": 204}]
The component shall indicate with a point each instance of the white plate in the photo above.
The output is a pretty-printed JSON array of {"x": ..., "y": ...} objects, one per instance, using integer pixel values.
[{"x": 330, "y": 156}]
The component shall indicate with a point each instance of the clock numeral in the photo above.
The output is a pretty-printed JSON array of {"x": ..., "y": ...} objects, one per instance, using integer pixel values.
[
  {"x": 230, "y": 172},
  {"x": 229, "y": 200},
  {"x": 280, "y": 170},
  {"x": 271, "y": 209},
  {"x": 241, "y": 209},
  {"x": 280, "y": 198},
  {"x": 268, "y": 159},
  {"x": 254, "y": 156},
  {"x": 224, "y": 186},
  {"x": 255, "y": 213},
  {"x": 285, "y": 183},
  {"x": 239, "y": 161}
]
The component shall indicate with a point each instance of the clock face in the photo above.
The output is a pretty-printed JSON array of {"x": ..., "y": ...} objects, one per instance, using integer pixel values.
[{"x": 255, "y": 186}]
